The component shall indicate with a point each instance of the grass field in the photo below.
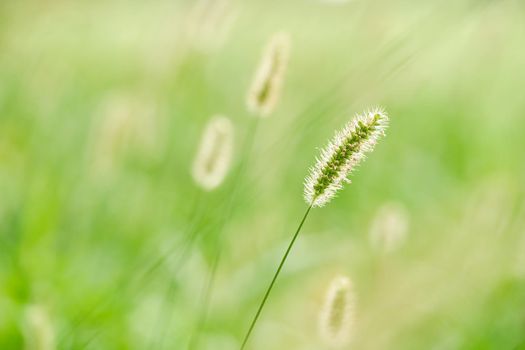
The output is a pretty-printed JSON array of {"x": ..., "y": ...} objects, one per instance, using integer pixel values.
[{"x": 108, "y": 242}]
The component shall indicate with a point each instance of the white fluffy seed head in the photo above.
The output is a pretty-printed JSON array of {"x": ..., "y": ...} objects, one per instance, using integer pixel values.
[
  {"x": 337, "y": 314},
  {"x": 389, "y": 228},
  {"x": 214, "y": 156},
  {"x": 38, "y": 329},
  {"x": 267, "y": 84},
  {"x": 342, "y": 154}
]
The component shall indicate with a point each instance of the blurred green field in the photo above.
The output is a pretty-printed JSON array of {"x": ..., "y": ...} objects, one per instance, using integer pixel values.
[{"x": 102, "y": 105}]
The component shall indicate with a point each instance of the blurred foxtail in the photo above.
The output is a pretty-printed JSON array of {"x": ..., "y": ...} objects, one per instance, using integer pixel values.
[
  {"x": 337, "y": 313},
  {"x": 213, "y": 158},
  {"x": 267, "y": 83}
]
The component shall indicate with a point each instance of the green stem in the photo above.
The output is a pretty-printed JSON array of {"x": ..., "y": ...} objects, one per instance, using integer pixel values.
[{"x": 283, "y": 260}]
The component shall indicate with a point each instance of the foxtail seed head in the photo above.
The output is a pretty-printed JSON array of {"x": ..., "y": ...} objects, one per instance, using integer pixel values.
[
  {"x": 215, "y": 153},
  {"x": 342, "y": 155},
  {"x": 267, "y": 83},
  {"x": 38, "y": 329},
  {"x": 337, "y": 314}
]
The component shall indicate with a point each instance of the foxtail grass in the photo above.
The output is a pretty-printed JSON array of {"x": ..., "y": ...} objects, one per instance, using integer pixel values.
[
  {"x": 214, "y": 156},
  {"x": 336, "y": 318},
  {"x": 337, "y": 161},
  {"x": 342, "y": 155},
  {"x": 262, "y": 98},
  {"x": 267, "y": 83}
]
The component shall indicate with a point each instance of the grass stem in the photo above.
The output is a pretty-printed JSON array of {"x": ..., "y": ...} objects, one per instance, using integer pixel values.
[{"x": 277, "y": 272}]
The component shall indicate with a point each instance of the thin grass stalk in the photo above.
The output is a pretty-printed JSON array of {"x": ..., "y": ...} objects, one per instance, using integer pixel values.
[{"x": 277, "y": 272}]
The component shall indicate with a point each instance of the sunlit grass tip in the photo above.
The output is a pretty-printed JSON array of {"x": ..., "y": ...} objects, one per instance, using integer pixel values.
[
  {"x": 336, "y": 318},
  {"x": 266, "y": 87},
  {"x": 38, "y": 329},
  {"x": 342, "y": 154},
  {"x": 214, "y": 155},
  {"x": 337, "y": 161}
]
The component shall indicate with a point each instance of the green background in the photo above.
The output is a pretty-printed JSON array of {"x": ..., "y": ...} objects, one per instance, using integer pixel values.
[{"x": 87, "y": 206}]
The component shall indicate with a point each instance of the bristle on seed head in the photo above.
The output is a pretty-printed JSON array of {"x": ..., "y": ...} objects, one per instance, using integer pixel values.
[{"x": 342, "y": 154}]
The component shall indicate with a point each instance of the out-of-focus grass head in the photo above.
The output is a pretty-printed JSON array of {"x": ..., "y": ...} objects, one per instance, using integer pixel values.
[{"x": 109, "y": 240}]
